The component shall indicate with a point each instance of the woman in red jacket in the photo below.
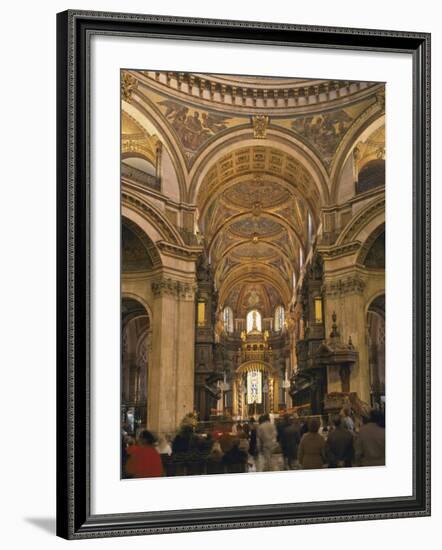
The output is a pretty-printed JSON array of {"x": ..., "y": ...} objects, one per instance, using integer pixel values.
[{"x": 143, "y": 459}]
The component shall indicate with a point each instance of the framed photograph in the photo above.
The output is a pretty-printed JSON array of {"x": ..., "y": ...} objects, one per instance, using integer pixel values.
[{"x": 243, "y": 274}]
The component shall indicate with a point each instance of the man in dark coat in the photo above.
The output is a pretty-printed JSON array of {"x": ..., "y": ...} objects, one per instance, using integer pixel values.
[
  {"x": 289, "y": 437},
  {"x": 339, "y": 446}
]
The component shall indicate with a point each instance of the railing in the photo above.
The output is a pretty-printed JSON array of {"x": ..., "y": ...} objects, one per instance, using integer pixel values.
[{"x": 140, "y": 177}]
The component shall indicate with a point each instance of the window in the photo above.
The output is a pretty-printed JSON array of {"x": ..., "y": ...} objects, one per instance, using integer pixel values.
[
  {"x": 201, "y": 314},
  {"x": 309, "y": 228},
  {"x": 254, "y": 321},
  {"x": 318, "y": 309},
  {"x": 228, "y": 319},
  {"x": 279, "y": 318}
]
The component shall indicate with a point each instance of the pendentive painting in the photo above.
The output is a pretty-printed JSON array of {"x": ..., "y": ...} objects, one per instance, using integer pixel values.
[{"x": 252, "y": 274}]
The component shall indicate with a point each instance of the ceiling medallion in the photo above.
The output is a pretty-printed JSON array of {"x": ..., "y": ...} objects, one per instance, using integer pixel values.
[
  {"x": 257, "y": 209},
  {"x": 260, "y": 124}
]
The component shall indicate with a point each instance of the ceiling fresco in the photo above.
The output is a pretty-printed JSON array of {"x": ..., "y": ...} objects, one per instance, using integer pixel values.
[
  {"x": 257, "y": 202},
  {"x": 197, "y": 116}
]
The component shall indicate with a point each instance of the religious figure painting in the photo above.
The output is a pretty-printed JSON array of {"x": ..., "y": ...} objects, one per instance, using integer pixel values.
[{"x": 252, "y": 274}]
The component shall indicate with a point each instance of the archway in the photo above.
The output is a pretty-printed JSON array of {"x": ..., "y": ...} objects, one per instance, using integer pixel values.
[
  {"x": 135, "y": 342},
  {"x": 376, "y": 350},
  {"x": 255, "y": 390}
]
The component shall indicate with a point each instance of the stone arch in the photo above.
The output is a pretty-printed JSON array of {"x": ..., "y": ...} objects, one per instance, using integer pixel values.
[
  {"x": 150, "y": 219},
  {"x": 134, "y": 296},
  {"x": 145, "y": 240},
  {"x": 366, "y": 246},
  {"x": 366, "y": 220},
  {"x": 372, "y": 119},
  {"x": 275, "y": 139},
  {"x": 249, "y": 365},
  {"x": 270, "y": 215},
  {"x": 266, "y": 273},
  {"x": 135, "y": 329},
  {"x": 148, "y": 115}
]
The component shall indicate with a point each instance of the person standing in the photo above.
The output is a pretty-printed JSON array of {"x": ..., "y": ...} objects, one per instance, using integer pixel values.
[
  {"x": 289, "y": 438},
  {"x": 143, "y": 460},
  {"x": 370, "y": 442},
  {"x": 339, "y": 446},
  {"x": 266, "y": 438},
  {"x": 347, "y": 420},
  {"x": 311, "y": 453}
]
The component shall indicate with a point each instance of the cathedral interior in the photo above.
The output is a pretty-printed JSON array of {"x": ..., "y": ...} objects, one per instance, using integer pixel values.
[{"x": 253, "y": 246}]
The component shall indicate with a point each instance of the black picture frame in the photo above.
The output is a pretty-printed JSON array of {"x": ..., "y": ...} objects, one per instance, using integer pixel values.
[{"x": 74, "y": 519}]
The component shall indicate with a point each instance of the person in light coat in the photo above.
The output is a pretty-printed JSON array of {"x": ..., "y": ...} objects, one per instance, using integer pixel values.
[{"x": 266, "y": 439}]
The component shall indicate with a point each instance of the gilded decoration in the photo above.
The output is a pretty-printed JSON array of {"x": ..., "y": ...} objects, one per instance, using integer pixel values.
[
  {"x": 167, "y": 286},
  {"x": 257, "y": 179},
  {"x": 260, "y": 124},
  {"x": 128, "y": 85}
]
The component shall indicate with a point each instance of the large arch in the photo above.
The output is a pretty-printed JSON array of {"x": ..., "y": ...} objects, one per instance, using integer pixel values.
[
  {"x": 253, "y": 272},
  {"x": 267, "y": 215},
  {"x": 364, "y": 222},
  {"x": 141, "y": 109},
  {"x": 366, "y": 124},
  {"x": 149, "y": 218},
  {"x": 275, "y": 139}
]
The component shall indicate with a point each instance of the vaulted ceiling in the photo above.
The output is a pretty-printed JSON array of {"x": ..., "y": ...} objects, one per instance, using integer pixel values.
[{"x": 257, "y": 201}]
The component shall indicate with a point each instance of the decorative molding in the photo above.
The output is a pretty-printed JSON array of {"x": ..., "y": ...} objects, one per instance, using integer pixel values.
[
  {"x": 128, "y": 85},
  {"x": 340, "y": 287},
  {"x": 234, "y": 95},
  {"x": 171, "y": 249},
  {"x": 361, "y": 219},
  {"x": 151, "y": 213},
  {"x": 166, "y": 286},
  {"x": 340, "y": 250},
  {"x": 260, "y": 124}
]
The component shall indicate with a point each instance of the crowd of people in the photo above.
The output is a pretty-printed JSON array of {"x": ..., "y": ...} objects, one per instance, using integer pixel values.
[{"x": 267, "y": 445}]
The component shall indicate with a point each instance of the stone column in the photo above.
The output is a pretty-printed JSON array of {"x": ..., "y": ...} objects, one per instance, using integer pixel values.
[
  {"x": 161, "y": 383},
  {"x": 185, "y": 371},
  {"x": 171, "y": 371},
  {"x": 345, "y": 296}
]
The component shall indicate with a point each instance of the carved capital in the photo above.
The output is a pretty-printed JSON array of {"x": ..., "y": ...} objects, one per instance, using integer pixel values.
[
  {"x": 346, "y": 285},
  {"x": 166, "y": 286},
  {"x": 186, "y": 291}
]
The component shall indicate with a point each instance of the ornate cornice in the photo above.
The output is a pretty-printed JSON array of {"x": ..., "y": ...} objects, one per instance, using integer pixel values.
[
  {"x": 170, "y": 249},
  {"x": 340, "y": 250},
  {"x": 239, "y": 94}
]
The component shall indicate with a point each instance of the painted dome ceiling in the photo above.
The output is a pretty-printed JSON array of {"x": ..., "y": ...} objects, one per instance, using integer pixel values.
[
  {"x": 254, "y": 227},
  {"x": 258, "y": 190}
]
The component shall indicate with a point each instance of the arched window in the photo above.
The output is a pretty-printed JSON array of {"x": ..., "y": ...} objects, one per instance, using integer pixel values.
[
  {"x": 228, "y": 319},
  {"x": 254, "y": 321},
  {"x": 279, "y": 318}
]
